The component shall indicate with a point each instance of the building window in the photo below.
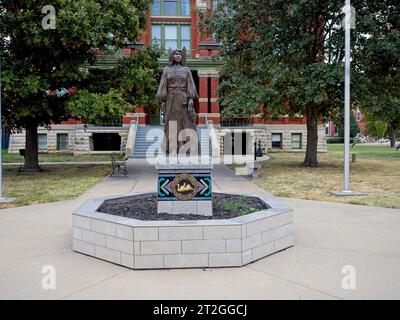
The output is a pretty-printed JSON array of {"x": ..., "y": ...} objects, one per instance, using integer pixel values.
[
  {"x": 42, "y": 141},
  {"x": 185, "y": 8},
  {"x": 296, "y": 140},
  {"x": 170, "y": 8},
  {"x": 327, "y": 129},
  {"x": 171, "y": 36},
  {"x": 277, "y": 141},
  {"x": 358, "y": 116},
  {"x": 62, "y": 141},
  {"x": 156, "y": 35},
  {"x": 185, "y": 37},
  {"x": 156, "y": 8},
  {"x": 336, "y": 131}
]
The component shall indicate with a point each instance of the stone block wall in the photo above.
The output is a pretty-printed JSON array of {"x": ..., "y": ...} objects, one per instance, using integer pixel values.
[
  {"x": 79, "y": 140},
  {"x": 52, "y": 137},
  {"x": 83, "y": 141},
  {"x": 17, "y": 140},
  {"x": 287, "y": 131},
  {"x": 145, "y": 247},
  {"x": 183, "y": 244},
  {"x": 264, "y": 134},
  {"x": 124, "y": 140}
]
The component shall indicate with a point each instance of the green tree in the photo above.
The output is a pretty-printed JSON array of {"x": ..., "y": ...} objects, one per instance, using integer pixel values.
[
  {"x": 107, "y": 94},
  {"x": 286, "y": 56},
  {"x": 381, "y": 128},
  {"x": 354, "y": 130},
  {"x": 98, "y": 108},
  {"x": 379, "y": 60},
  {"x": 38, "y": 60}
]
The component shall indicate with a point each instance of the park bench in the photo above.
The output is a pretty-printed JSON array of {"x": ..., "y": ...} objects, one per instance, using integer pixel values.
[{"x": 118, "y": 166}]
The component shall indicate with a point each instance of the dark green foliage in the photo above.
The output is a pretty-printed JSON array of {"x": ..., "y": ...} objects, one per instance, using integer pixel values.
[
  {"x": 354, "y": 130},
  {"x": 277, "y": 55},
  {"x": 109, "y": 94},
  {"x": 239, "y": 205},
  {"x": 36, "y": 62},
  {"x": 335, "y": 140},
  {"x": 379, "y": 60},
  {"x": 287, "y": 56},
  {"x": 98, "y": 108}
]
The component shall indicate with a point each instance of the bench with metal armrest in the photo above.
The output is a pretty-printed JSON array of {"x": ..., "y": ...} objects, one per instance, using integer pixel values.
[{"x": 118, "y": 166}]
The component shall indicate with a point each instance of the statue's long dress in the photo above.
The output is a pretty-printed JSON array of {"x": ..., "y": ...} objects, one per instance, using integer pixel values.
[{"x": 176, "y": 87}]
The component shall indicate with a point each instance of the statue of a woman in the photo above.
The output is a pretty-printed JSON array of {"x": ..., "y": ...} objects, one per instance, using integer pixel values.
[{"x": 177, "y": 92}]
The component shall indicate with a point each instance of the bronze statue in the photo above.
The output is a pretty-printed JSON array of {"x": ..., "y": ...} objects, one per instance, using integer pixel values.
[{"x": 177, "y": 92}]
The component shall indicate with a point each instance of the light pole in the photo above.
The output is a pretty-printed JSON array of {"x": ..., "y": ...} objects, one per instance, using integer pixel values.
[
  {"x": 347, "y": 106},
  {"x": 2, "y": 199}
]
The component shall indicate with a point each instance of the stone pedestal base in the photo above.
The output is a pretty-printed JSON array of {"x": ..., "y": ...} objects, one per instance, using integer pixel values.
[{"x": 184, "y": 188}]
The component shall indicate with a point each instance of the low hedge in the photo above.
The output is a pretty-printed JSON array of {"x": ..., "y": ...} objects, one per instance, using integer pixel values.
[{"x": 336, "y": 140}]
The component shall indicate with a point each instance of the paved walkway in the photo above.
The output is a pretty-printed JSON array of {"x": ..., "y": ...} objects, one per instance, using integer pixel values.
[{"x": 329, "y": 237}]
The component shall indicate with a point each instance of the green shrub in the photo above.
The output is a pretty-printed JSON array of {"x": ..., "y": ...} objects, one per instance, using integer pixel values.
[
  {"x": 335, "y": 140},
  {"x": 339, "y": 140}
]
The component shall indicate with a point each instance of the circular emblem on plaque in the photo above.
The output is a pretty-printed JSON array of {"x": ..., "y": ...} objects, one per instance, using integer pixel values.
[{"x": 184, "y": 187}]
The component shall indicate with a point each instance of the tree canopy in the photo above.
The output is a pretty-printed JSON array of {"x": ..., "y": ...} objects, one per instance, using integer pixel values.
[
  {"x": 105, "y": 95},
  {"x": 283, "y": 54},
  {"x": 378, "y": 60},
  {"x": 38, "y": 61},
  {"x": 287, "y": 57}
]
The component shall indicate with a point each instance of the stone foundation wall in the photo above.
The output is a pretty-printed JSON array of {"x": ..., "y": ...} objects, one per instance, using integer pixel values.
[
  {"x": 264, "y": 134},
  {"x": 287, "y": 131},
  {"x": 83, "y": 141},
  {"x": 17, "y": 140},
  {"x": 79, "y": 140}
]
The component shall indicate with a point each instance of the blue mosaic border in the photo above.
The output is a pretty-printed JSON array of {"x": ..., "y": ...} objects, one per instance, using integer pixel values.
[{"x": 165, "y": 193}]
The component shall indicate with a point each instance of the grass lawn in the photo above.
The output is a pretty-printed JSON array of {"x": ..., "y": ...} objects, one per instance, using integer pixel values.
[
  {"x": 56, "y": 183},
  {"x": 376, "y": 171},
  {"x": 366, "y": 151},
  {"x": 52, "y": 157}
]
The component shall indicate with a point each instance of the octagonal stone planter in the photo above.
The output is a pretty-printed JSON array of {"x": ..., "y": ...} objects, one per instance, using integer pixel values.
[{"x": 141, "y": 244}]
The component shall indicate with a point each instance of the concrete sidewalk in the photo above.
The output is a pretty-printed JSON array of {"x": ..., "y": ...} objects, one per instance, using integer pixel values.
[{"x": 329, "y": 237}]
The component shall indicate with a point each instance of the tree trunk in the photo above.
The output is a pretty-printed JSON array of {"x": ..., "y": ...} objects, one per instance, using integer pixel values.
[
  {"x": 31, "y": 148},
  {"x": 311, "y": 159},
  {"x": 392, "y": 137}
]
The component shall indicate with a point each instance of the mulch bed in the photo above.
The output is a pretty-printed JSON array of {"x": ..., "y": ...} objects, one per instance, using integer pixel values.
[{"x": 144, "y": 207}]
